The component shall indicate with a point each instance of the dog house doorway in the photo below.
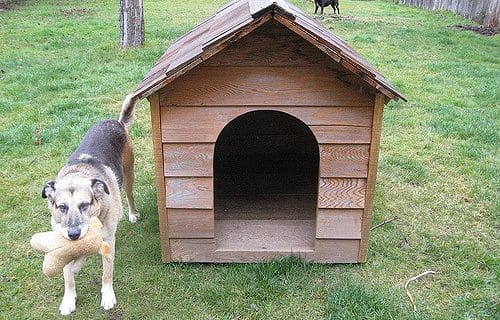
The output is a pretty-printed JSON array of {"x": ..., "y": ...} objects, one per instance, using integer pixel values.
[{"x": 266, "y": 166}]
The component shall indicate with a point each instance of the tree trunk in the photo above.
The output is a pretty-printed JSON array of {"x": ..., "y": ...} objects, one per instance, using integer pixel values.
[{"x": 131, "y": 23}]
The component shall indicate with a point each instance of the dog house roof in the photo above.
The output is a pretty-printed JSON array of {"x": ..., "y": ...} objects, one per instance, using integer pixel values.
[{"x": 239, "y": 18}]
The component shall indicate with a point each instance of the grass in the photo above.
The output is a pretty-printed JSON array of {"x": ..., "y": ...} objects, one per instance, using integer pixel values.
[{"x": 438, "y": 171}]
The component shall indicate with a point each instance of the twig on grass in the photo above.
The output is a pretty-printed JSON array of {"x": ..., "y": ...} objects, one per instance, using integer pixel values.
[
  {"x": 384, "y": 222},
  {"x": 405, "y": 240},
  {"x": 413, "y": 279}
]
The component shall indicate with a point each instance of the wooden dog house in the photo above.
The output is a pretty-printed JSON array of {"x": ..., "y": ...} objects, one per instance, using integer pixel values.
[{"x": 266, "y": 132}]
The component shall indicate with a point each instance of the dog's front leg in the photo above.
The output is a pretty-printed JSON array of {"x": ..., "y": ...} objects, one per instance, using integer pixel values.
[
  {"x": 68, "y": 303},
  {"x": 108, "y": 299}
]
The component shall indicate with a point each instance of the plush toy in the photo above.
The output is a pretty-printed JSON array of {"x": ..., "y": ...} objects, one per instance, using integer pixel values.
[{"x": 60, "y": 251}]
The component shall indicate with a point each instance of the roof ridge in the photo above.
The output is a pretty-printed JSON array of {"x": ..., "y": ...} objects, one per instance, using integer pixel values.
[{"x": 259, "y": 7}]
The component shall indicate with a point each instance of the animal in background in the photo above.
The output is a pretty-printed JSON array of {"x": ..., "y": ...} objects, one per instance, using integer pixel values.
[{"x": 325, "y": 3}]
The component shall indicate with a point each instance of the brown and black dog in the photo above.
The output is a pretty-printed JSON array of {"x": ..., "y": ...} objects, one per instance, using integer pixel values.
[{"x": 89, "y": 185}]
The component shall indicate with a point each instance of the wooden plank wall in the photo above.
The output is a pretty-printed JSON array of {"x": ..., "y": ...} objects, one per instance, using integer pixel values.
[{"x": 292, "y": 77}]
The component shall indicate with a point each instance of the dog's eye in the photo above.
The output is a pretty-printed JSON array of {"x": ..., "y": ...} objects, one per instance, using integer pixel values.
[
  {"x": 84, "y": 206},
  {"x": 62, "y": 208}
]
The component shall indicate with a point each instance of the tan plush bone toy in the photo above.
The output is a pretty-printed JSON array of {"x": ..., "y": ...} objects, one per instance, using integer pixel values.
[{"x": 60, "y": 251}]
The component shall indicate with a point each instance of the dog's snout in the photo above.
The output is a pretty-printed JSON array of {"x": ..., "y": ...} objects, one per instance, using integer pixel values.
[{"x": 74, "y": 233}]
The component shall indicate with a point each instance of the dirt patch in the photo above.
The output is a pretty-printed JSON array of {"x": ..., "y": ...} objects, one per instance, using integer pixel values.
[
  {"x": 116, "y": 314},
  {"x": 485, "y": 31},
  {"x": 10, "y": 4},
  {"x": 330, "y": 18},
  {"x": 77, "y": 12},
  {"x": 327, "y": 17},
  {"x": 334, "y": 18}
]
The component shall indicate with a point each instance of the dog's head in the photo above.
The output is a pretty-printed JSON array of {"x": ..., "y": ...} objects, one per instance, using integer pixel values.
[{"x": 72, "y": 201}]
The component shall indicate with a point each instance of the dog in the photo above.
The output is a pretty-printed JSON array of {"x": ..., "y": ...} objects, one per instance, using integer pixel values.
[
  {"x": 89, "y": 185},
  {"x": 326, "y": 3}
]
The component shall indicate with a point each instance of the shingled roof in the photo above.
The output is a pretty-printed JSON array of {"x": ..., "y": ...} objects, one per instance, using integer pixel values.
[{"x": 237, "y": 19}]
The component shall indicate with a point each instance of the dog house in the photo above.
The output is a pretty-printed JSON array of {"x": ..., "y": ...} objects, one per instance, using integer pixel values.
[{"x": 266, "y": 130}]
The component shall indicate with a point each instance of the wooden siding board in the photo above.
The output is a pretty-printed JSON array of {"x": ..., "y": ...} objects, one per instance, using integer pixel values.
[
  {"x": 343, "y": 161},
  {"x": 189, "y": 193},
  {"x": 372, "y": 175},
  {"x": 160, "y": 182},
  {"x": 329, "y": 124},
  {"x": 336, "y": 251},
  {"x": 341, "y": 193},
  {"x": 193, "y": 250},
  {"x": 191, "y": 223},
  {"x": 207, "y": 85},
  {"x": 204, "y": 250},
  {"x": 339, "y": 223},
  {"x": 258, "y": 256},
  {"x": 188, "y": 160},
  {"x": 341, "y": 134}
]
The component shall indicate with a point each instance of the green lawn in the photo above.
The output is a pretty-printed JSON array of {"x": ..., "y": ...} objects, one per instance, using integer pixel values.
[{"x": 438, "y": 171}]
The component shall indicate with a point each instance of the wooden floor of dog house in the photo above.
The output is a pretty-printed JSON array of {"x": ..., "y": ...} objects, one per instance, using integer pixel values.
[
  {"x": 265, "y": 235},
  {"x": 277, "y": 223}
]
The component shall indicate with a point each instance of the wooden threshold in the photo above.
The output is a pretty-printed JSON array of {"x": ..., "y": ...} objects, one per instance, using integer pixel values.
[{"x": 285, "y": 236}]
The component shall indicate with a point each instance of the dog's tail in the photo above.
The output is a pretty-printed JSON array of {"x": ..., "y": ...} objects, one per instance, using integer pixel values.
[{"x": 127, "y": 113}]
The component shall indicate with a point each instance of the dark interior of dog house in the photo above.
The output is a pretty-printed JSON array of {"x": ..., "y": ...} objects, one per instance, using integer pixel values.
[{"x": 266, "y": 167}]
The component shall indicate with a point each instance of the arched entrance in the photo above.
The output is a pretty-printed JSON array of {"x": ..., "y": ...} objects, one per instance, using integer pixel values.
[{"x": 266, "y": 166}]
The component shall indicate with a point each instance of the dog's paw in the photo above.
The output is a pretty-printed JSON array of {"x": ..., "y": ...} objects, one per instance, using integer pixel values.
[
  {"x": 108, "y": 299},
  {"x": 133, "y": 217},
  {"x": 68, "y": 305}
]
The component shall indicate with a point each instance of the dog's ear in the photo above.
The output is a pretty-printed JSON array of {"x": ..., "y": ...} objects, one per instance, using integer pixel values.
[
  {"x": 99, "y": 187},
  {"x": 49, "y": 190}
]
